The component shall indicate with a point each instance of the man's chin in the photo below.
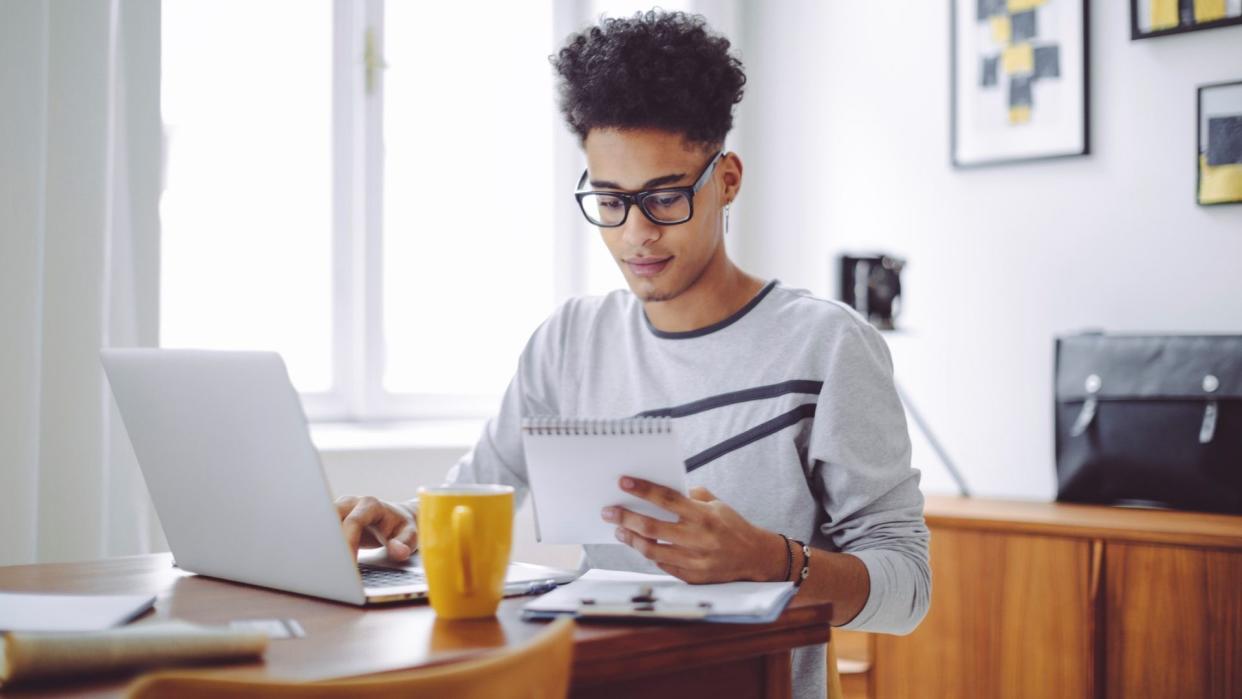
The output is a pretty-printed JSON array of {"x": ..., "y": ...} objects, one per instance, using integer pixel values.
[{"x": 650, "y": 291}]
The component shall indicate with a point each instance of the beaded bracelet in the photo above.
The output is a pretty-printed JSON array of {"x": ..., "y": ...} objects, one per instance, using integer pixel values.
[
  {"x": 788, "y": 558},
  {"x": 806, "y": 564}
]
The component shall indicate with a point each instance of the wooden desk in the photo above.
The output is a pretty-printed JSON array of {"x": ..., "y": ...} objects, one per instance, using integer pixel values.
[{"x": 610, "y": 659}]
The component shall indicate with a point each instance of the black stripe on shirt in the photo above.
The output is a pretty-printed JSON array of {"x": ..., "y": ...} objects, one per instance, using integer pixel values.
[
  {"x": 755, "y": 433},
  {"x": 747, "y": 394}
]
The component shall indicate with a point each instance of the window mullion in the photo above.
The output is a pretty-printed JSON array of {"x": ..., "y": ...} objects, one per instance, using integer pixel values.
[
  {"x": 371, "y": 284},
  {"x": 349, "y": 221}
]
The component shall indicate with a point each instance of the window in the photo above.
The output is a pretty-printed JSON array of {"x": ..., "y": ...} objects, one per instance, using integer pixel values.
[
  {"x": 468, "y": 189},
  {"x": 246, "y": 211},
  {"x": 362, "y": 188}
]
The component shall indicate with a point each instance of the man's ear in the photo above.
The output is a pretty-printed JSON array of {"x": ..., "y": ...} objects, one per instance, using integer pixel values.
[{"x": 731, "y": 174}]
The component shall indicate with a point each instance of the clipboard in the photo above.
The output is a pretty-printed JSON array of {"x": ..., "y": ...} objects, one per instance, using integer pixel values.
[{"x": 621, "y": 594}]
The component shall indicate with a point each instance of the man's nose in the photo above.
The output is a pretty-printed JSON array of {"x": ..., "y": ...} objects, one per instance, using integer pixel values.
[{"x": 638, "y": 230}]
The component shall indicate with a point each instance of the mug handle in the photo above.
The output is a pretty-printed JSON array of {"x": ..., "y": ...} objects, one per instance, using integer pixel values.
[{"x": 463, "y": 541}]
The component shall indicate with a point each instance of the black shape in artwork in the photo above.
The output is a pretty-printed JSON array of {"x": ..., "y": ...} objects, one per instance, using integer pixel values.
[
  {"x": 1020, "y": 91},
  {"x": 1022, "y": 26},
  {"x": 987, "y": 8},
  {"x": 1186, "y": 13},
  {"x": 989, "y": 71},
  {"x": 1224, "y": 140},
  {"x": 1047, "y": 62}
]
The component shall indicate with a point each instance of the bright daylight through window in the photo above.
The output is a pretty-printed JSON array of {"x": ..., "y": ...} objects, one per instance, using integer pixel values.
[
  {"x": 468, "y": 197},
  {"x": 246, "y": 214},
  {"x": 418, "y": 299}
]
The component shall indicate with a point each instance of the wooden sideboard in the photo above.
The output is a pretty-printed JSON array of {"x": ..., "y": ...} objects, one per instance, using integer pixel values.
[{"x": 1057, "y": 600}]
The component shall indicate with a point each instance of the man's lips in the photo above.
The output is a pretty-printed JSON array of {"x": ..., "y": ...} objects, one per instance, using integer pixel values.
[{"x": 648, "y": 266}]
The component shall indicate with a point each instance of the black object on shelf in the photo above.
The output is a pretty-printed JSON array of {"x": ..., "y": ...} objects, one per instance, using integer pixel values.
[
  {"x": 1150, "y": 420},
  {"x": 871, "y": 285}
]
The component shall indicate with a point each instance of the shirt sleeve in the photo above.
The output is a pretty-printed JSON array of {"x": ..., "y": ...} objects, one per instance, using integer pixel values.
[
  {"x": 498, "y": 456},
  {"x": 860, "y": 452}
]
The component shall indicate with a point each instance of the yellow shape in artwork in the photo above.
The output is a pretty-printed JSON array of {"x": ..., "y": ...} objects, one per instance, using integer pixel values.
[
  {"x": 1024, "y": 5},
  {"x": 1019, "y": 115},
  {"x": 1163, "y": 14},
  {"x": 1219, "y": 184},
  {"x": 1209, "y": 10},
  {"x": 1018, "y": 59},
  {"x": 1002, "y": 29}
]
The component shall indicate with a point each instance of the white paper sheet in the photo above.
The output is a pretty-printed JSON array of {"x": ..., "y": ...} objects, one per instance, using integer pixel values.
[
  {"x": 574, "y": 477},
  {"x": 34, "y": 612}
]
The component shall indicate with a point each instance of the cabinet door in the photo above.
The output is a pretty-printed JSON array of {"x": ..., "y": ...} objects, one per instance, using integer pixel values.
[
  {"x": 1174, "y": 622},
  {"x": 1011, "y": 616}
]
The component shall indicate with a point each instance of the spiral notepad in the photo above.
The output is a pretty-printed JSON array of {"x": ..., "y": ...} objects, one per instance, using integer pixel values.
[{"x": 574, "y": 466}]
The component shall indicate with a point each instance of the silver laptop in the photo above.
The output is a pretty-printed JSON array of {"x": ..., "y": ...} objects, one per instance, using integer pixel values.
[{"x": 223, "y": 445}]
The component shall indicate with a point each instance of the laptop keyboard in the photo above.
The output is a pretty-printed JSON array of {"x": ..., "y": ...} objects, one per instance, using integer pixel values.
[{"x": 379, "y": 576}]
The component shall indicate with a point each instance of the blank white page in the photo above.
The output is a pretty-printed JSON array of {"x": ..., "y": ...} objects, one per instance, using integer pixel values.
[
  {"x": 573, "y": 477},
  {"x": 33, "y": 612}
]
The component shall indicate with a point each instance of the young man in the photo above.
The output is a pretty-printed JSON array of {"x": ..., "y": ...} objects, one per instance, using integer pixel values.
[{"x": 784, "y": 402}]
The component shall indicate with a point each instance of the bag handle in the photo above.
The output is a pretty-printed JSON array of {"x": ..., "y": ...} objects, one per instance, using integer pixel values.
[
  {"x": 1207, "y": 430},
  {"x": 1089, "y": 406}
]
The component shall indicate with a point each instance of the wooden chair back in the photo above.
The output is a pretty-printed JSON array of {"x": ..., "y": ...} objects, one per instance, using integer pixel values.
[{"x": 536, "y": 670}]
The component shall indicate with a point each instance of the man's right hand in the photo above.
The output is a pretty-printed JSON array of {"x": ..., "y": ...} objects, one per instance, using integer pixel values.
[{"x": 393, "y": 520}]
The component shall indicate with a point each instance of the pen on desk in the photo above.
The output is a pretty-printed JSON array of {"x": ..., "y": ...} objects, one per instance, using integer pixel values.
[
  {"x": 539, "y": 588},
  {"x": 535, "y": 587}
]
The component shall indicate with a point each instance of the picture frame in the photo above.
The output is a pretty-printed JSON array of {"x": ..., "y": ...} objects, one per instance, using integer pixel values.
[
  {"x": 1019, "y": 88},
  {"x": 1153, "y": 18},
  {"x": 1218, "y": 156}
]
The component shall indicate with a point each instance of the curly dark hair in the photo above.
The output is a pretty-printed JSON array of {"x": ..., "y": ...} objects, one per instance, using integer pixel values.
[{"x": 661, "y": 70}]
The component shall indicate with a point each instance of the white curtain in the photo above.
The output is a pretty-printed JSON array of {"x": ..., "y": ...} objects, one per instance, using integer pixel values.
[{"x": 80, "y": 144}]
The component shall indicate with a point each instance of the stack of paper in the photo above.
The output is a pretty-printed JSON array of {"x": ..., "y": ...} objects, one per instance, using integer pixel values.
[
  {"x": 36, "y": 655},
  {"x": 614, "y": 593},
  {"x": 67, "y": 635}
]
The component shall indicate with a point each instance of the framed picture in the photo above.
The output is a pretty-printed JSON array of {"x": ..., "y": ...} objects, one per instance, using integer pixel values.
[
  {"x": 1019, "y": 80},
  {"x": 1219, "y": 161},
  {"x": 1150, "y": 18}
]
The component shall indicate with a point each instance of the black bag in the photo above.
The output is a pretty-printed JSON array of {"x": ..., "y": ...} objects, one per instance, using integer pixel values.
[{"x": 1150, "y": 420}]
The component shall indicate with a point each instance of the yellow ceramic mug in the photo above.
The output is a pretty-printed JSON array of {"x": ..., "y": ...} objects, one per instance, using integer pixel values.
[{"x": 464, "y": 535}]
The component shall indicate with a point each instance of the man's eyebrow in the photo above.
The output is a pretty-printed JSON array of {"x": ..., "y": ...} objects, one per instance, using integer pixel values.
[{"x": 649, "y": 184}]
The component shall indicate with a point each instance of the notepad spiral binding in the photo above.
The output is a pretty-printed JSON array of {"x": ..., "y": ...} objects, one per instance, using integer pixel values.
[{"x": 551, "y": 425}]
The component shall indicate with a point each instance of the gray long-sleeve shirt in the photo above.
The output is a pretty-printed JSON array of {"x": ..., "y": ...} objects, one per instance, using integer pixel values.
[{"x": 786, "y": 411}]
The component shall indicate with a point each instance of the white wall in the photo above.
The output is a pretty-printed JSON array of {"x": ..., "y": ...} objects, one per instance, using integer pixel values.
[{"x": 846, "y": 124}]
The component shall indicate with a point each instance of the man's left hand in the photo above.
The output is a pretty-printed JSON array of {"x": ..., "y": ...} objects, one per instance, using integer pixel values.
[{"x": 709, "y": 543}]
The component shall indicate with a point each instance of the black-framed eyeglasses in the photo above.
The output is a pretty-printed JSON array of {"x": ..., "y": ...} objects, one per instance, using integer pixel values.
[{"x": 666, "y": 206}]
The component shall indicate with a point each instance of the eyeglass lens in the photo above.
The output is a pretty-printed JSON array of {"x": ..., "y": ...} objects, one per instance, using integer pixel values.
[{"x": 662, "y": 207}]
